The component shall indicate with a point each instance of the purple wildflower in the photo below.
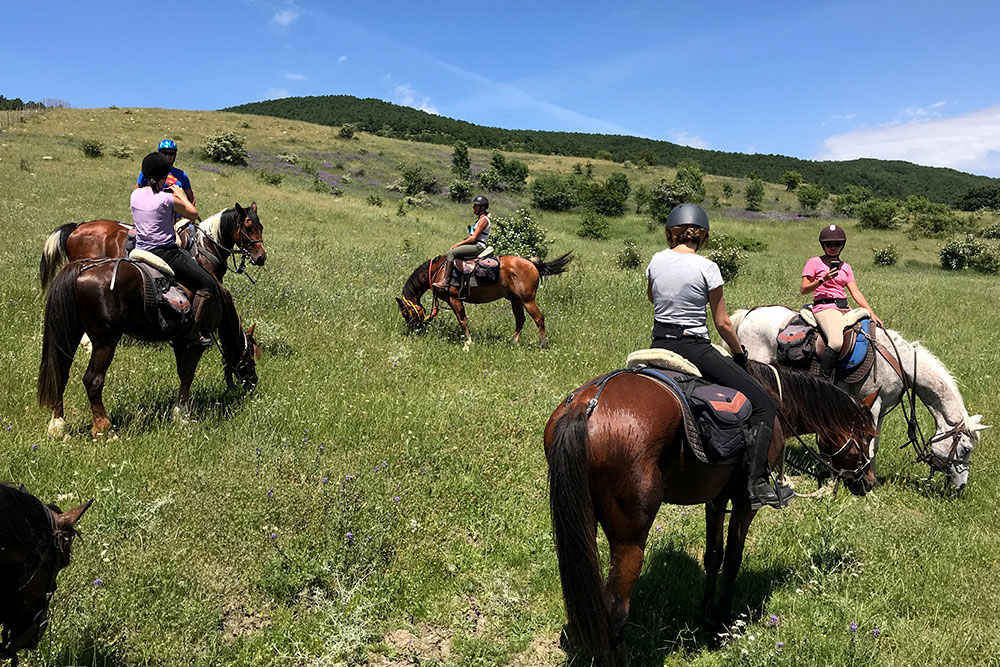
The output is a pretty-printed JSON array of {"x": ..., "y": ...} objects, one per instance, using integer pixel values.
[
  {"x": 876, "y": 632},
  {"x": 396, "y": 499},
  {"x": 270, "y": 492},
  {"x": 325, "y": 480},
  {"x": 854, "y": 626},
  {"x": 780, "y": 644},
  {"x": 258, "y": 450},
  {"x": 350, "y": 538},
  {"x": 34, "y": 447},
  {"x": 774, "y": 619},
  {"x": 320, "y": 449},
  {"x": 98, "y": 582},
  {"x": 274, "y": 536}
]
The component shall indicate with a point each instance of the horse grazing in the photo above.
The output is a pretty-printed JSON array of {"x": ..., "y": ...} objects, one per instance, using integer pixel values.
[
  {"x": 234, "y": 231},
  {"x": 104, "y": 299},
  {"x": 900, "y": 368},
  {"x": 35, "y": 543},
  {"x": 615, "y": 460},
  {"x": 519, "y": 280}
]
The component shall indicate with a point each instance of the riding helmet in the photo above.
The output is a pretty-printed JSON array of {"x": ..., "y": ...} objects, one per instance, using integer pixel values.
[
  {"x": 688, "y": 214},
  {"x": 832, "y": 233},
  {"x": 155, "y": 166},
  {"x": 481, "y": 201},
  {"x": 167, "y": 145}
]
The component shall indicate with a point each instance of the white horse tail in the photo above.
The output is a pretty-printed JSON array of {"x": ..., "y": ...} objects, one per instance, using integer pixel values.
[
  {"x": 738, "y": 317},
  {"x": 54, "y": 253}
]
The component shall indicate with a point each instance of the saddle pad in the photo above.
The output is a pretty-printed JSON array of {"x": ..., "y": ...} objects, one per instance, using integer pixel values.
[
  {"x": 659, "y": 358},
  {"x": 850, "y": 318},
  {"x": 149, "y": 258}
]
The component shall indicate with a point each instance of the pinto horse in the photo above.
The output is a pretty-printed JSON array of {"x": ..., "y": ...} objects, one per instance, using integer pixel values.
[
  {"x": 519, "y": 280},
  {"x": 234, "y": 231},
  {"x": 616, "y": 452},
  {"x": 88, "y": 297},
  {"x": 35, "y": 544}
]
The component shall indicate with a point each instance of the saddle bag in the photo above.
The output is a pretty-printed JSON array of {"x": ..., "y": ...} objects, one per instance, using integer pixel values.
[
  {"x": 795, "y": 344},
  {"x": 722, "y": 414}
]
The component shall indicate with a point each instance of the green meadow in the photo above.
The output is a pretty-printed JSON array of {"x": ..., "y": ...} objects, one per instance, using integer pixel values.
[{"x": 381, "y": 498}]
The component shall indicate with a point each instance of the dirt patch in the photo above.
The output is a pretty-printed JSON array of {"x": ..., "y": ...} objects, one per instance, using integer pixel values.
[
  {"x": 541, "y": 651},
  {"x": 238, "y": 620},
  {"x": 414, "y": 647}
]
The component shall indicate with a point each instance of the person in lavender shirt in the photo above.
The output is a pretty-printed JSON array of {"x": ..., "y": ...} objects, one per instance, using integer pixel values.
[
  {"x": 830, "y": 279},
  {"x": 153, "y": 209}
]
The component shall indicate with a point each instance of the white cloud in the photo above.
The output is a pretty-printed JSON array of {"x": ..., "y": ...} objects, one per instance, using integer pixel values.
[
  {"x": 285, "y": 17},
  {"x": 685, "y": 138},
  {"x": 291, "y": 76},
  {"x": 970, "y": 142},
  {"x": 921, "y": 113},
  {"x": 341, "y": 59},
  {"x": 276, "y": 93},
  {"x": 408, "y": 97}
]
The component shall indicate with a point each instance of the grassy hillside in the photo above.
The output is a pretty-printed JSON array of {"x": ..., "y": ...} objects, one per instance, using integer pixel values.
[
  {"x": 887, "y": 178},
  {"x": 381, "y": 497}
]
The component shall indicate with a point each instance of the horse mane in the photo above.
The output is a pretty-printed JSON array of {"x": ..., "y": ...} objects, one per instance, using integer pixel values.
[
  {"x": 22, "y": 517},
  {"x": 821, "y": 406},
  {"x": 417, "y": 283},
  {"x": 927, "y": 357}
]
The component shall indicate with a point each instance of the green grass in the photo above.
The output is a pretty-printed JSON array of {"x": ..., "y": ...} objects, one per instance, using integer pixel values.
[{"x": 181, "y": 532}]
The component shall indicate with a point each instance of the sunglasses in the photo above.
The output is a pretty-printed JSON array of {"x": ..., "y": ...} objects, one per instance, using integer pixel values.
[
  {"x": 833, "y": 244},
  {"x": 169, "y": 152}
]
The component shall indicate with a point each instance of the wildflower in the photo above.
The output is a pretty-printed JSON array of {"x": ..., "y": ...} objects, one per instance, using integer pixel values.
[
  {"x": 876, "y": 632},
  {"x": 780, "y": 644},
  {"x": 854, "y": 626},
  {"x": 774, "y": 619},
  {"x": 396, "y": 499},
  {"x": 270, "y": 492},
  {"x": 258, "y": 450},
  {"x": 274, "y": 536},
  {"x": 98, "y": 582},
  {"x": 325, "y": 480},
  {"x": 34, "y": 447},
  {"x": 349, "y": 537},
  {"x": 349, "y": 478},
  {"x": 320, "y": 449}
]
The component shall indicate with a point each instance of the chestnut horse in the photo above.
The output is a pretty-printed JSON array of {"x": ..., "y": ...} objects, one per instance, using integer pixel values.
[
  {"x": 35, "y": 543},
  {"x": 234, "y": 231},
  {"x": 519, "y": 280},
  {"x": 81, "y": 300},
  {"x": 617, "y": 451}
]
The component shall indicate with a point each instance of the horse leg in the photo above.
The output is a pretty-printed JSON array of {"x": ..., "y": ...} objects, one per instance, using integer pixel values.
[
  {"x": 518, "y": 309},
  {"x": 459, "y": 309},
  {"x": 739, "y": 526},
  {"x": 715, "y": 522},
  {"x": 93, "y": 380},
  {"x": 187, "y": 362},
  {"x": 536, "y": 315}
]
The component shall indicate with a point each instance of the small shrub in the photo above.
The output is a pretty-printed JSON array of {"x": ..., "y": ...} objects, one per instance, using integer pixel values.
[
  {"x": 419, "y": 200},
  {"x": 416, "y": 178},
  {"x": 593, "y": 226},
  {"x": 288, "y": 158},
  {"x": 754, "y": 194},
  {"x": 374, "y": 200},
  {"x": 359, "y": 172},
  {"x": 519, "y": 234},
  {"x": 515, "y": 175},
  {"x": 744, "y": 243},
  {"x": 628, "y": 257},
  {"x": 879, "y": 214},
  {"x": 690, "y": 176},
  {"x": 92, "y": 148},
  {"x": 459, "y": 190},
  {"x": 990, "y": 232},
  {"x": 347, "y": 130},
  {"x": 958, "y": 254},
  {"x": 245, "y": 125},
  {"x": 611, "y": 197},
  {"x": 461, "y": 166},
  {"x": 121, "y": 151},
  {"x": 25, "y": 165},
  {"x": 931, "y": 219},
  {"x": 853, "y": 195},
  {"x": 811, "y": 196},
  {"x": 269, "y": 177},
  {"x": 321, "y": 186},
  {"x": 887, "y": 256},
  {"x": 791, "y": 179},
  {"x": 226, "y": 147},
  {"x": 552, "y": 192},
  {"x": 310, "y": 167},
  {"x": 727, "y": 190},
  {"x": 666, "y": 196},
  {"x": 604, "y": 154},
  {"x": 401, "y": 209},
  {"x": 730, "y": 260},
  {"x": 491, "y": 180}
]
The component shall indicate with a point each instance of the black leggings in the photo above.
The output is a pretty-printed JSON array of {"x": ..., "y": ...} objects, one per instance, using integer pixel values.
[
  {"x": 723, "y": 370},
  {"x": 187, "y": 271}
]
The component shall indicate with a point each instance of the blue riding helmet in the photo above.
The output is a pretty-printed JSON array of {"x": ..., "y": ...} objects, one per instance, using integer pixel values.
[{"x": 167, "y": 144}]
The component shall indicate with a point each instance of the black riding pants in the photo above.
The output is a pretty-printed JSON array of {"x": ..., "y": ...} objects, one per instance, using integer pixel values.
[
  {"x": 187, "y": 271},
  {"x": 722, "y": 370}
]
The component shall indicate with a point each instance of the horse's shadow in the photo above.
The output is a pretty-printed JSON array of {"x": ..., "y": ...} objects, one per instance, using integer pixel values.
[
  {"x": 89, "y": 649},
  {"x": 206, "y": 404}
]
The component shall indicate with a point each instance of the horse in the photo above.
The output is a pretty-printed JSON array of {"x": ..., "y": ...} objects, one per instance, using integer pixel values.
[
  {"x": 900, "y": 367},
  {"x": 35, "y": 544},
  {"x": 615, "y": 450},
  {"x": 519, "y": 280},
  {"x": 234, "y": 231},
  {"x": 104, "y": 299}
]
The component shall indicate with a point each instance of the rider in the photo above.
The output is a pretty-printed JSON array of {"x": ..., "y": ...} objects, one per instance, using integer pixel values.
[
  {"x": 153, "y": 209},
  {"x": 828, "y": 276},
  {"x": 681, "y": 283},
  {"x": 471, "y": 246},
  {"x": 169, "y": 148}
]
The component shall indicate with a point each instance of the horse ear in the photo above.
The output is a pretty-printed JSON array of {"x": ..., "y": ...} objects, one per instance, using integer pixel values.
[
  {"x": 251, "y": 329},
  {"x": 974, "y": 424},
  {"x": 868, "y": 400},
  {"x": 239, "y": 210},
  {"x": 400, "y": 303},
  {"x": 253, "y": 206},
  {"x": 69, "y": 519}
]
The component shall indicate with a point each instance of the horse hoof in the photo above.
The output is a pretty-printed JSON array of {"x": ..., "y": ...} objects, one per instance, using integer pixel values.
[
  {"x": 465, "y": 348},
  {"x": 85, "y": 343},
  {"x": 57, "y": 428},
  {"x": 180, "y": 415}
]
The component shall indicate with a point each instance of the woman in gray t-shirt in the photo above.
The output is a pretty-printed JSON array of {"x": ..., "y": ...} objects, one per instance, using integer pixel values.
[{"x": 681, "y": 284}]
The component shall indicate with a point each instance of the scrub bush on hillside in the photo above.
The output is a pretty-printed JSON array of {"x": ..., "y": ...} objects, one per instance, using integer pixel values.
[
  {"x": 519, "y": 234},
  {"x": 227, "y": 148}
]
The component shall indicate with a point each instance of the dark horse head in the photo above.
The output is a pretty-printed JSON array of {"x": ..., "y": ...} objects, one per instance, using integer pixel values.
[
  {"x": 241, "y": 227},
  {"x": 241, "y": 359},
  {"x": 409, "y": 305},
  {"x": 35, "y": 543}
]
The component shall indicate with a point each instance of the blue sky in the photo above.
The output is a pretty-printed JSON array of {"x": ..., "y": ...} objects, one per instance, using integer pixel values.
[{"x": 841, "y": 79}]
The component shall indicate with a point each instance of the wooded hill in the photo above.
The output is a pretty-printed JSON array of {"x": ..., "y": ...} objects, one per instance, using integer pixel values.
[{"x": 886, "y": 178}]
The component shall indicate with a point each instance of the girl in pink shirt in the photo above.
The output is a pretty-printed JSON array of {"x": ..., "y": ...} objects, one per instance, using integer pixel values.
[{"x": 831, "y": 279}]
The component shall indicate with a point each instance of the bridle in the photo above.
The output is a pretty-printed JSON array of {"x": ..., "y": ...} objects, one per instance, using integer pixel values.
[
  {"x": 240, "y": 366},
  {"x": 240, "y": 244},
  {"x": 9, "y": 646}
]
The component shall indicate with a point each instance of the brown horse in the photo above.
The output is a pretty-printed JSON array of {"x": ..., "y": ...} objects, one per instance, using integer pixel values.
[
  {"x": 81, "y": 300},
  {"x": 234, "y": 231},
  {"x": 519, "y": 279},
  {"x": 613, "y": 462},
  {"x": 35, "y": 543}
]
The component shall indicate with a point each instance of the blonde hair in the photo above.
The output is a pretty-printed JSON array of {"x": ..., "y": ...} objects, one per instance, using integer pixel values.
[{"x": 683, "y": 234}]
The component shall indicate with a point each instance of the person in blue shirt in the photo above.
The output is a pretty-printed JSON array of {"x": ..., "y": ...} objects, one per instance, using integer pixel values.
[{"x": 176, "y": 177}]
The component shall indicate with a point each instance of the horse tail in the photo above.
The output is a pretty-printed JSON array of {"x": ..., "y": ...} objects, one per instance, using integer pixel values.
[
  {"x": 61, "y": 336},
  {"x": 575, "y": 529},
  {"x": 738, "y": 317},
  {"x": 54, "y": 253},
  {"x": 553, "y": 268}
]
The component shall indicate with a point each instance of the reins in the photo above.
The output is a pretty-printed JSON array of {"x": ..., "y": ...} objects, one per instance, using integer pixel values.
[{"x": 229, "y": 259}]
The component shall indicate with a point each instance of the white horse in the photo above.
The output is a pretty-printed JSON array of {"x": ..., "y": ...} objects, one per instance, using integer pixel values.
[{"x": 956, "y": 433}]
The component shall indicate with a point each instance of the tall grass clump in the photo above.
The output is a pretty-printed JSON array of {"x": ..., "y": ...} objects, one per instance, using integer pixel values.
[
  {"x": 628, "y": 257},
  {"x": 227, "y": 148},
  {"x": 122, "y": 151},
  {"x": 92, "y": 148},
  {"x": 886, "y": 255},
  {"x": 519, "y": 234},
  {"x": 593, "y": 226}
]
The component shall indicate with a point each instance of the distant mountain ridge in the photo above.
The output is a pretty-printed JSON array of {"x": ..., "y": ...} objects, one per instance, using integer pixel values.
[{"x": 886, "y": 178}]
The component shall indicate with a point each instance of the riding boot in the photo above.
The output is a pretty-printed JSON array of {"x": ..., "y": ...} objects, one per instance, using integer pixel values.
[
  {"x": 828, "y": 363},
  {"x": 759, "y": 483},
  {"x": 201, "y": 304},
  {"x": 444, "y": 276}
]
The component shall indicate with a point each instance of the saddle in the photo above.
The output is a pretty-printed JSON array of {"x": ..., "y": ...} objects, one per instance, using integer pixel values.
[
  {"x": 801, "y": 344},
  {"x": 482, "y": 271},
  {"x": 164, "y": 300},
  {"x": 715, "y": 417}
]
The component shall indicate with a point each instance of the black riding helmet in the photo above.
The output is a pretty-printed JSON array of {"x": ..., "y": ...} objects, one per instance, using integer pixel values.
[
  {"x": 155, "y": 166},
  {"x": 832, "y": 233},
  {"x": 688, "y": 214},
  {"x": 481, "y": 201}
]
